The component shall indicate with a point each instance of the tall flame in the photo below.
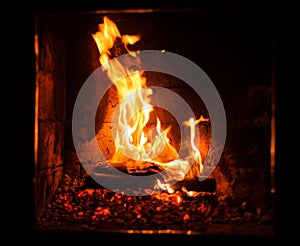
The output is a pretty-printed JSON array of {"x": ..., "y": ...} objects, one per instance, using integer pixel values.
[
  {"x": 133, "y": 145},
  {"x": 196, "y": 152}
]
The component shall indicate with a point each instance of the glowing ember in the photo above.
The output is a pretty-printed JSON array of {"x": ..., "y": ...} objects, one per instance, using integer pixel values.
[
  {"x": 134, "y": 147},
  {"x": 74, "y": 207}
]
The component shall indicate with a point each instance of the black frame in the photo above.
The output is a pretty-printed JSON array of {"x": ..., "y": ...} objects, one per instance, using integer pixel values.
[{"x": 21, "y": 76}]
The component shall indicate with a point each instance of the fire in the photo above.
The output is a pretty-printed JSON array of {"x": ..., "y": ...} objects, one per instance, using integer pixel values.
[
  {"x": 196, "y": 152},
  {"x": 136, "y": 148}
]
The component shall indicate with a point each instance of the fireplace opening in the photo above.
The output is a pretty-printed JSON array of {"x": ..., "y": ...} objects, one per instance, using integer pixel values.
[{"x": 233, "y": 197}]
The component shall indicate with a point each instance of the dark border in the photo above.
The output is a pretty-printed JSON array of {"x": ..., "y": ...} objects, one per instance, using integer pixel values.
[{"x": 21, "y": 82}]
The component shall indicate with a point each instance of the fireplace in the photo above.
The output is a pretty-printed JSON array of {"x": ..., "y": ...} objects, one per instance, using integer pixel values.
[{"x": 227, "y": 189}]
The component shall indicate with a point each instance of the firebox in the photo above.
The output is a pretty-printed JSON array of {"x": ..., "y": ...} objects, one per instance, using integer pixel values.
[{"x": 155, "y": 121}]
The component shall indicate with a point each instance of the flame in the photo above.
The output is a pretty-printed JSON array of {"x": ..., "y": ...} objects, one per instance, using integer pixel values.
[
  {"x": 134, "y": 146},
  {"x": 196, "y": 152}
]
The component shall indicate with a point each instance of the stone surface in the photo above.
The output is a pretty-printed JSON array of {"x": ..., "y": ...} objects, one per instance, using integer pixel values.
[
  {"x": 45, "y": 185},
  {"x": 51, "y": 141}
]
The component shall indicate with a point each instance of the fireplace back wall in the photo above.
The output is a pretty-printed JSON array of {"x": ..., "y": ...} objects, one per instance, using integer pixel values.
[{"x": 237, "y": 57}]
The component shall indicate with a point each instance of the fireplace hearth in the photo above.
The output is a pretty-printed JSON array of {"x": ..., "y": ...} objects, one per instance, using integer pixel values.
[{"x": 236, "y": 198}]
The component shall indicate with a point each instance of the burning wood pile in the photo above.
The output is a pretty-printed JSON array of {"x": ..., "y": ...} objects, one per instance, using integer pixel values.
[
  {"x": 78, "y": 207},
  {"x": 139, "y": 146}
]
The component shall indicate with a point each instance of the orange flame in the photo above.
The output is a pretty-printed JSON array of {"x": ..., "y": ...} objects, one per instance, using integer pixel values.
[
  {"x": 132, "y": 143},
  {"x": 196, "y": 153}
]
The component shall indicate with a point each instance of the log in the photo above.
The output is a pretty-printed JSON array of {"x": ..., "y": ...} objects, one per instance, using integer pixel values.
[{"x": 207, "y": 185}]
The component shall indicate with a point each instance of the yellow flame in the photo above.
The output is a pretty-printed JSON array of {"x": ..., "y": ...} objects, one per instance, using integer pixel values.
[
  {"x": 196, "y": 152},
  {"x": 131, "y": 141},
  {"x": 105, "y": 38}
]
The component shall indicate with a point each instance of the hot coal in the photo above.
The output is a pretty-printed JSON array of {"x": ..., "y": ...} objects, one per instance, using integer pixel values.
[{"x": 77, "y": 207}]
